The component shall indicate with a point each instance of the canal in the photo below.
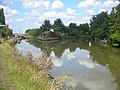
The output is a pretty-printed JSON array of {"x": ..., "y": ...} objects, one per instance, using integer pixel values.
[{"x": 88, "y": 66}]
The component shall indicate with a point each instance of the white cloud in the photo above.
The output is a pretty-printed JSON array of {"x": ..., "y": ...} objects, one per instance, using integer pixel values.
[
  {"x": 37, "y": 23},
  {"x": 71, "y": 11},
  {"x": 46, "y": 4},
  {"x": 6, "y": 2},
  {"x": 57, "y": 4},
  {"x": 65, "y": 15},
  {"x": 9, "y": 21},
  {"x": 34, "y": 13},
  {"x": 86, "y": 4},
  {"x": 91, "y": 12},
  {"x": 34, "y": 4},
  {"x": 14, "y": 12},
  {"x": 20, "y": 19},
  {"x": 95, "y": 7},
  {"x": 54, "y": 15},
  {"x": 110, "y": 3},
  {"x": 50, "y": 14},
  {"x": 41, "y": 19},
  {"x": 85, "y": 19},
  {"x": 9, "y": 11},
  {"x": 98, "y": 4},
  {"x": 102, "y": 10}
]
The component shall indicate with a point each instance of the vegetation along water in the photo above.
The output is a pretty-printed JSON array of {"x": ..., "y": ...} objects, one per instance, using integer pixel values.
[{"x": 59, "y": 57}]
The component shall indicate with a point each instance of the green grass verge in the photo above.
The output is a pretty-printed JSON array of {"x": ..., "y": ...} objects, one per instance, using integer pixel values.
[{"x": 23, "y": 74}]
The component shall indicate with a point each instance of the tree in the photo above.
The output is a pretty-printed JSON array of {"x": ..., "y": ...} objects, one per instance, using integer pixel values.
[
  {"x": 4, "y": 30},
  {"x": 2, "y": 17},
  {"x": 34, "y": 32},
  {"x": 84, "y": 29},
  {"x": 98, "y": 25},
  {"x": 73, "y": 30},
  {"x": 9, "y": 32},
  {"x": 46, "y": 26},
  {"x": 114, "y": 26},
  {"x": 59, "y": 27}
]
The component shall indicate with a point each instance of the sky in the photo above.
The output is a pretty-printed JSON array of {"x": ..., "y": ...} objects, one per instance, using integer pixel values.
[{"x": 21, "y": 15}]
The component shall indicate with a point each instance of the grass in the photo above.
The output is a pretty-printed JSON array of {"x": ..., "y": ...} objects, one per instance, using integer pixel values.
[{"x": 18, "y": 73}]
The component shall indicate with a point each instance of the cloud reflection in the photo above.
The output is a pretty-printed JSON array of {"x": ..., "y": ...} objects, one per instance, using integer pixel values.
[
  {"x": 87, "y": 63},
  {"x": 94, "y": 80},
  {"x": 25, "y": 47},
  {"x": 69, "y": 55},
  {"x": 57, "y": 62}
]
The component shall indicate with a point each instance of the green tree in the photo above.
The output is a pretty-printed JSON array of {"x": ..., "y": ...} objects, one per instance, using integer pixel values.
[
  {"x": 114, "y": 26},
  {"x": 2, "y": 17},
  {"x": 59, "y": 27},
  {"x": 9, "y": 32},
  {"x": 73, "y": 30},
  {"x": 35, "y": 32},
  {"x": 84, "y": 29},
  {"x": 4, "y": 30},
  {"x": 46, "y": 26},
  {"x": 99, "y": 26}
]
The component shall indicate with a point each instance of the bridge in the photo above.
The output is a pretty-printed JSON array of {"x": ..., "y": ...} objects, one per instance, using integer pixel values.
[{"x": 20, "y": 36}]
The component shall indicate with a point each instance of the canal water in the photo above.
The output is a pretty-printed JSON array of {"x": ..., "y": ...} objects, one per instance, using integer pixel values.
[{"x": 89, "y": 66}]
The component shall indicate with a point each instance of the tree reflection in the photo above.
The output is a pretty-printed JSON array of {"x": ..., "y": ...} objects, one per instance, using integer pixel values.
[{"x": 106, "y": 56}]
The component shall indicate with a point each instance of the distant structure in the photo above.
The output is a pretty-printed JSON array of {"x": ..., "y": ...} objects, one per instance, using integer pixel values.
[{"x": 50, "y": 35}]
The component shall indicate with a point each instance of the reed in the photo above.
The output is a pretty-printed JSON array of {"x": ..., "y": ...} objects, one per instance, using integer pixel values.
[{"x": 24, "y": 74}]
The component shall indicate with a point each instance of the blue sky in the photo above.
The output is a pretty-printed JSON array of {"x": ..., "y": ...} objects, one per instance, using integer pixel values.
[{"x": 26, "y": 14}]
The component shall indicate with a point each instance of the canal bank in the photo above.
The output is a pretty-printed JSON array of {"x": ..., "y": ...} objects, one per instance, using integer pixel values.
[{"x": 18, "y": 73}]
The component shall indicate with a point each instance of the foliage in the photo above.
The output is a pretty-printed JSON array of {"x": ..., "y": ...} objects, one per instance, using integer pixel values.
[
  {"x": 73, "y": 29},
  {"x": 4, "y": 30},
  {"x": 102, "y": 26},
  {"x": 35, "y": 32},
  {"x": 114, "y": 26},
  {"x": 59, "y": 27},
  {"x": 2, "y": 17},
  {"x": 24, "y": 74},
  {"x": 98, "y": 26},
  {"x": 46, "y": 26},
  {"x": 84, "y": 29}
]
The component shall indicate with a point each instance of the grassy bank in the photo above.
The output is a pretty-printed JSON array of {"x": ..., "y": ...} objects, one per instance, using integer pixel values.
[{"x": 18, "y": 73}]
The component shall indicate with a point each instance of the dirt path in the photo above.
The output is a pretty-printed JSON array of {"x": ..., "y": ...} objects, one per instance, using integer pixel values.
[{"x": 5, "y": 81}]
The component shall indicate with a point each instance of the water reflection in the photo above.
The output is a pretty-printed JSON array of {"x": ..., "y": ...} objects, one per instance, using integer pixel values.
[
  {"x": 57, "y": 62},
  {"x": 88, "y": 66},
  {"x": 24, "y": 48}
]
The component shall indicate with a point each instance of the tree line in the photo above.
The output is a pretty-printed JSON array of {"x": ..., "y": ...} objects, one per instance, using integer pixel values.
[
  {"x": 4, "y": 29},
  {"x": 73, "y": 30},
  {"x": 102, "y": 26}
]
